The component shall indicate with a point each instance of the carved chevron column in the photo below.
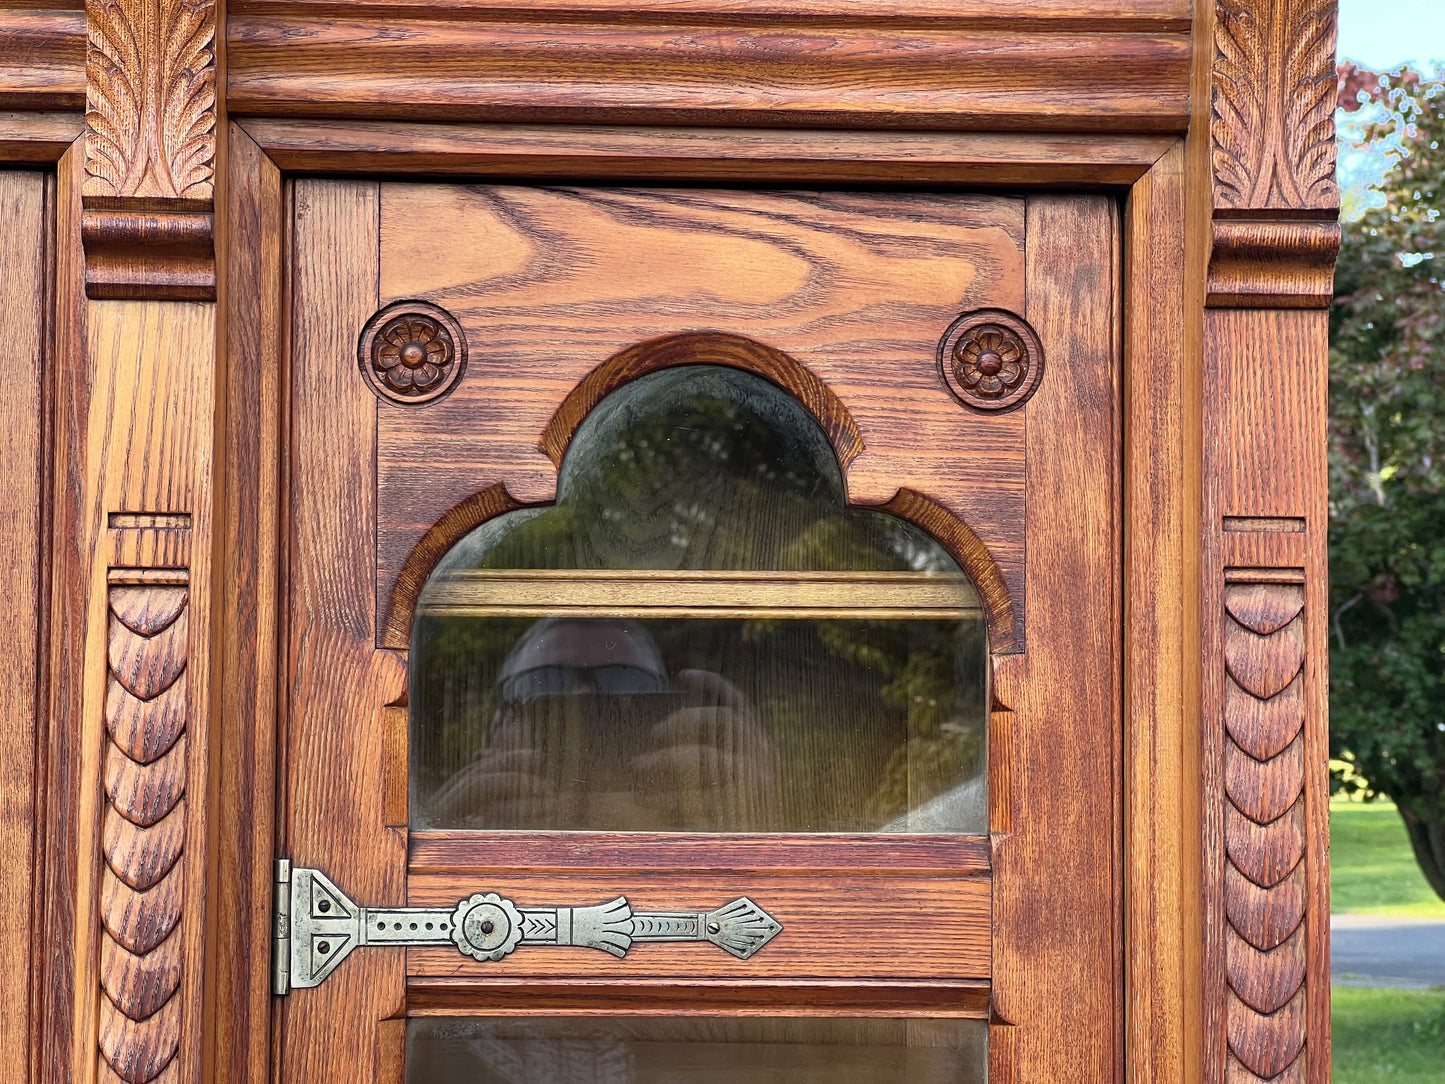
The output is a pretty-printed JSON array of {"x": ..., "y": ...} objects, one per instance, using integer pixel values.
[
  {"x": 150, "y": 149},
  {"x": 1274, "y": 209},
  {"x": 144, "y": 825}
]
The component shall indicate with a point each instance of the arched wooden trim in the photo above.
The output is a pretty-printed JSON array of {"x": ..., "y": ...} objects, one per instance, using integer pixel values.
[
  {"x": 458, "y": 520},
  {"x": 1005, "y": 629},
  {"x": 704, "y": 348}
]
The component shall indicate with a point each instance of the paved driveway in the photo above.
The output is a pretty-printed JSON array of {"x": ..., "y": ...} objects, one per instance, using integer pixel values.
[{"x": 1371, "y": 950}]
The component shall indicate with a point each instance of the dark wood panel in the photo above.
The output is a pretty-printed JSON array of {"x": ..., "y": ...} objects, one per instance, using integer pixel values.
[
  {"x": 24, "y": 289},
  {"x": 862, "y": 926},
  {"x": 830, "y": 69},
  {"x": 548, "y": 283}
]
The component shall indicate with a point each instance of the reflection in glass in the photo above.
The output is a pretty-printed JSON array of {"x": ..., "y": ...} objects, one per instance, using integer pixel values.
[
  {"x": 696, "y": 1051},
  {"x": 699, "y": 636}
]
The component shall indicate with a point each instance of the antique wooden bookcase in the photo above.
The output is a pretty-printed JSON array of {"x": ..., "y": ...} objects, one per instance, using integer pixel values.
[{"x": 312, "y": 296}]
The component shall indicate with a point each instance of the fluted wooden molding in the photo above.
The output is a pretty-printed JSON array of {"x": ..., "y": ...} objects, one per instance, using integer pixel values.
[
  {"x": 143, "y": 831},
  {"x": 1272, "y": 140},
  {"x": 150, "y": 149}
]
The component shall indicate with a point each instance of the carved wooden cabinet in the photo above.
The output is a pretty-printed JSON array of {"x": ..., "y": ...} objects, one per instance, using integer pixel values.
[{"x": 680, "y": 540}]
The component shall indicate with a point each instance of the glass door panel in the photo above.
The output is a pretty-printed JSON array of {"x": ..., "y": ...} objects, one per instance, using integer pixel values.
[
  {"x": 663, "y": 1050},
  {"x": 699, "y": 636}
]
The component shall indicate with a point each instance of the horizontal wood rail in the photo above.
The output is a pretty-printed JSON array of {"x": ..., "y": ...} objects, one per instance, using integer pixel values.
[{"x": 664, "y": 594}]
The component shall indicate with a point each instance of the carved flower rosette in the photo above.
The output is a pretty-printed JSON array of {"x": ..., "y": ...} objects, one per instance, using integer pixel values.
[
  {"x": 412, "y": 352},
  {"x": 991, "y": 360}
]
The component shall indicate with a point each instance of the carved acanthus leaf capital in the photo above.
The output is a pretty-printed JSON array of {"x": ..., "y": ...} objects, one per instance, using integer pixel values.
[
  {"x": 150, "y": 147},
  {"x": 1272, "y": 140}
]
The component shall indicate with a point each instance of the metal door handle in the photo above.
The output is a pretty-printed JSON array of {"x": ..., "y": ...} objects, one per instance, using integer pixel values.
[{"x": 318, "y": 926}]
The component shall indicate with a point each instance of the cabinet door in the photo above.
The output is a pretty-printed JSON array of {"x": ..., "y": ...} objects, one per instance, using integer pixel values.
[{"x": 702, "y": 621}]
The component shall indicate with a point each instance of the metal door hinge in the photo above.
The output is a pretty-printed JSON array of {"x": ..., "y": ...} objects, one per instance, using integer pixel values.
[{"x": 317, "y": 926}]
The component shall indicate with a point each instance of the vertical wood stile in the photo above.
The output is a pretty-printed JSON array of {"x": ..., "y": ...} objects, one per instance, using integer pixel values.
[{"x": 25, "y": 209}]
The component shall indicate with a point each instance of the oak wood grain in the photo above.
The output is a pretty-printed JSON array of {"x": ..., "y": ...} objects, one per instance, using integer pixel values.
[
  {"x": 336, "y": 682},
  {"x": 32, "y": 138},
  {"x": 68, "y": 615},
  {"x": 1097, "y": 14},
  {"x": 549, "y": 283},
  {"x": 1160, "y": 454},
  {"x": 254, "y": 331},
  {"x": 1265, "y": 750},
  {"x": 133, "y": 438},
  {"x": 718, "y": 154},
  {"x": 863, "y": 927},
  {"x": 1055, "y": 920},
  {"x": 708, "y": 996},
  {"x": 474, "y": 854},
  {"x": 42, "y": 57},
  {"x": 726, "y": 66},
  {"x": 611, "y": 291},
  {"x": 24, "y": 291},
  {"x": 144, "y": 826},
  {"x": 150, "y": 149},
  {"x": 1273, "y": 92}
]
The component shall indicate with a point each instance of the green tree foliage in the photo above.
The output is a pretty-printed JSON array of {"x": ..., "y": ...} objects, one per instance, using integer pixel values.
[{"x": 1387, "y": 467}]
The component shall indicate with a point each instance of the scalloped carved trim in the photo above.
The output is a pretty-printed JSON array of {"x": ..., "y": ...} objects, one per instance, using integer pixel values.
[
  {"x": 1264, "y": 831},
  {"x": 144, "y": 831}
]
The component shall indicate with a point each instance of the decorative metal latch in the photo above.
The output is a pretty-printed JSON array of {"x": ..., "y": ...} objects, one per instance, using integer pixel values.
[{"x": 318, "y": 926}]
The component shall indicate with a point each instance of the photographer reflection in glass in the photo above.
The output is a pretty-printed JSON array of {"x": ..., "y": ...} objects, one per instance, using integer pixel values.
[{"x": 592, "y": 734}]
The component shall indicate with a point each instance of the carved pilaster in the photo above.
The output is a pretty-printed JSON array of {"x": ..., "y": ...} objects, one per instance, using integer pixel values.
[
  {"x": 150, "y": 149},
  {"x": 1274, "y": 237},
  {"x": 1272, "y": 143}
]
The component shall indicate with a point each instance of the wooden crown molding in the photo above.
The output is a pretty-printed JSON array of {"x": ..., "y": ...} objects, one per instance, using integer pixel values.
[
  {"x": 1272, "y": 144},
  {"x": 1121, "y": 66},
  {"x": 42, "y": 57},
  {"x": 150, "y": 149}
]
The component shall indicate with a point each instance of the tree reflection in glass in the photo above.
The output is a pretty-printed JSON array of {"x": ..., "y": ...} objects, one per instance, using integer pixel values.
[{"x": 690, "y": 703}]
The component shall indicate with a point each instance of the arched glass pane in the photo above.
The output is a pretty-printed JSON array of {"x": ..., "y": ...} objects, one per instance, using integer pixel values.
[{"x": 699, "y": 635}]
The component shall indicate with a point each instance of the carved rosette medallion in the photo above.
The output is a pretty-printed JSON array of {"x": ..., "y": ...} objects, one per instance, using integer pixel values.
[
  {"x": 412, "y": 352},
  {"x": 991, "y": 360}
]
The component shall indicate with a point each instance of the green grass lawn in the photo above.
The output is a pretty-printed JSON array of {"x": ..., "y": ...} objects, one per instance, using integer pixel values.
[
  {"x": 1382, "y": 1034},
  {"x": 1372, "y": 869}
]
